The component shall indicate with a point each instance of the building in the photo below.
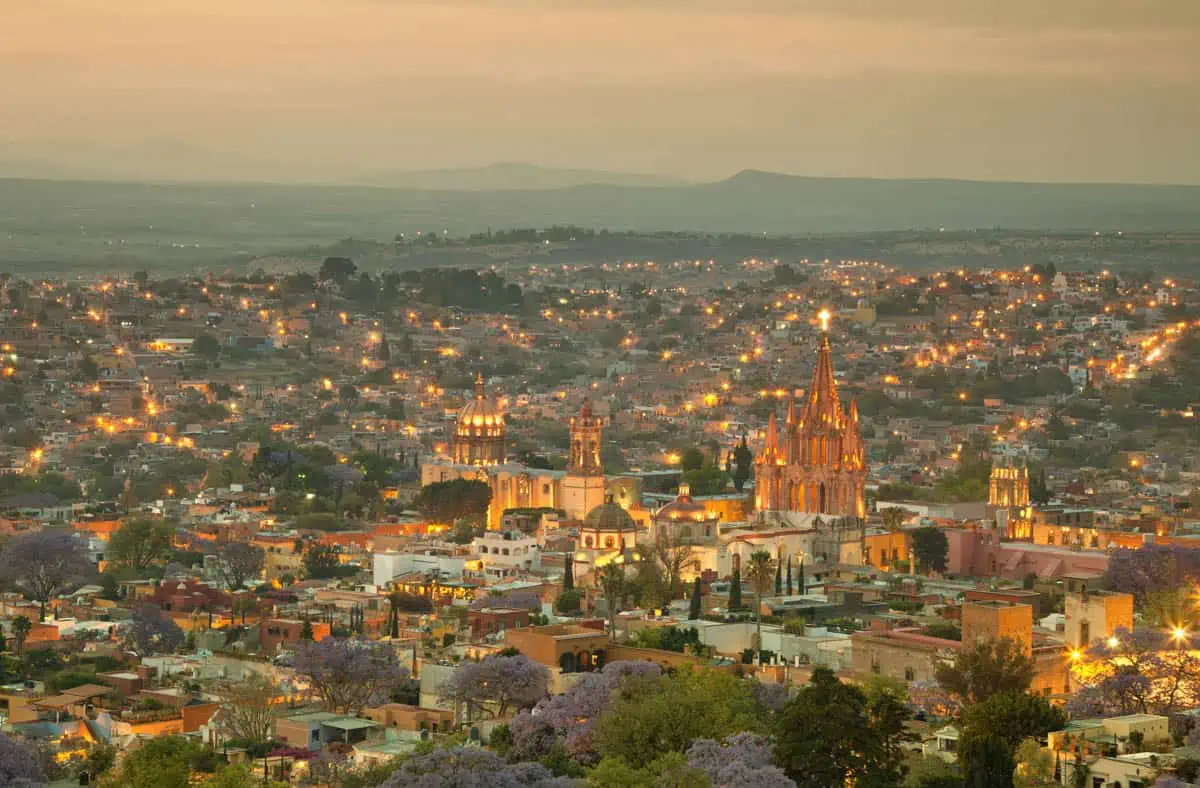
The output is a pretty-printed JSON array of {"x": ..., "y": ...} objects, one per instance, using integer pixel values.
[
  {"x": 501, "y": 553},
  {"x": 479, "y": 437},
  {"x": 583, "y": 487},
  {"x": 685, "y": 521},
  {"x": 608, "y": 528},
  {"x": 1008, "y": 492},
  {"x": 1093, "y": 614},
  {"x": 819, "y": 467}
]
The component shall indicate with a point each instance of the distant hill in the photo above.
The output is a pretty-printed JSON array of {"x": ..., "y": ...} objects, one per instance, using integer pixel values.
[
  {"x": 55, "y": 221},
  {"x": 505, "y": 176}
]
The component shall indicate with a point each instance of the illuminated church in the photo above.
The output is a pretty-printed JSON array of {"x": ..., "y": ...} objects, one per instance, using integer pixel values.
[
  {"x": 817, "y": 465},
  {"x": 479, "y": 451}
]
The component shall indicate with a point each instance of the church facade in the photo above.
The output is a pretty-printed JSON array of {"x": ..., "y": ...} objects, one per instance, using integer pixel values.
[
  {"x": 817, "y": 464},
  {"x": 479, "y": 452}
]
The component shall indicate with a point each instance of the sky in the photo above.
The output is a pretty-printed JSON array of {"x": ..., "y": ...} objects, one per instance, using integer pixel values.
[{"x": 353, "y": 90}]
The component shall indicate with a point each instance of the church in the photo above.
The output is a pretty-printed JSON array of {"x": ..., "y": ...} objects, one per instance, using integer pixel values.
[
  {"x": 479, "y": 450},
  {"x": 817, "y": 467}
]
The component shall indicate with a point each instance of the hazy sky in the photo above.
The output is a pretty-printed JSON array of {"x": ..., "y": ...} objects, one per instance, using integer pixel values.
[{"x": 1078, "y": 90}]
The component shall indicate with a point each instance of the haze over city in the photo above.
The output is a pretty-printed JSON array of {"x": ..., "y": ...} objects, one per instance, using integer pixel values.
[{"x": 358, "y": 90}]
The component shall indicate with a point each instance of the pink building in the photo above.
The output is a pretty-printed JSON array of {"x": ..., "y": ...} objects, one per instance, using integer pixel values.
[{"x": 980, "y": 553}]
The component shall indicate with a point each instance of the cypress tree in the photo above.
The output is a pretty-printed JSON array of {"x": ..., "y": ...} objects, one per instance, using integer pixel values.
[
  {"x": 697, "y": 605},
  {"x": 789, "y": 576},
  {"x": 735, "y": 590},
  {"x": 800, "y": 579},
  {"x": 569, "y": 575},
  {"x": 778, "y": 579}
]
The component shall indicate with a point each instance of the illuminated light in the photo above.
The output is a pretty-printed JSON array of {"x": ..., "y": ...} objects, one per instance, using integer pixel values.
[
  {"x": 1178, "y": 634},
  {"x": 1076, "y": 655},
  {"x": 823, "y": 318},
  {"x": 1113, "y": 642}
]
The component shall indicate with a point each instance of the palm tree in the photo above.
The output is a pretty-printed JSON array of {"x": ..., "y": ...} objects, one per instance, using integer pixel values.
[
  {"x": 22, "y": 626},
  {"x": 611, "y": 580},
  {"x": 761, "y": 573}
]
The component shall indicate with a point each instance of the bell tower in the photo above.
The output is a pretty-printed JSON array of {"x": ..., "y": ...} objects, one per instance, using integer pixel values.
[{"x": 583, "y": 487}]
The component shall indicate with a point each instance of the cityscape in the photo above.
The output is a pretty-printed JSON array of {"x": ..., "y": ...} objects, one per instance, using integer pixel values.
[{"x": 819, "y": 406}]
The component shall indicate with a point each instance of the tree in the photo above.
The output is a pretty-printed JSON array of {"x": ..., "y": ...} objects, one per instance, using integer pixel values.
[
  {"x": 778, "y": 578},
  {"x": 759, "y": 573},
  {"x": 893, "y": 517},
  {"x": 162, "y": 762},
  {"x": 152, "y": 632},
  {"x": 801, "y": 586},
  {"x": 1001, "y": 723},
  {"x": 306, "y": 631},
  {"x": 696, "y": 607},
  {"x": 707, "y": 480},
  {"x": 347, "y": 674},
  {"x": 985, "y": 668},
  {"x": 250, "y": 708},
  {"x": 651, "y": 715},
  {"x": 1151, "y": 568},
  {"x": 1145, "y": 671},
  {"x": 569, "y": 573},
  {"x": 741, "y": 759},
  {"x": 671, "y": 553},
  {"x": 930, "y": 547},
  {"x": 470, "y": 767},
  {"x": 735, "y": 590},
  {"x": 743, "y": 465},
  {"x": 502, "y": 681},
  {"x": 789, "y": 575},
  {"x": 207, "y": 347},
  {"x": 611, "y": 579},
  {"x": 43, "y": 564},
  {"x": 692, "y": 459},
  {"x": 321, "y": 561},
  {"x": 826, "y": 736},
  {"x": 569, "y": 603},
  {"x": 445, "y": 502},
  {"x": 239, "y": 561},
  {"x": 337, "y": 269},
  {"x": 569, "y": 718},
  {"x": 20, "y": 766},
  {"x": 140, "y": 542},
  {"x": 1035, "y": 766},
  {"x": 21, "y": 626},
  {"x": 348, "y": 394},
  {"x": 986, "y": 763}
]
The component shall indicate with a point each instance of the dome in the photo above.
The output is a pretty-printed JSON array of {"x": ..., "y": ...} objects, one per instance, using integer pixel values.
[
  {"x": 684, "y": 507},
  {"x": 478, "y": 414},
  {"x": 609, "y": 516}
]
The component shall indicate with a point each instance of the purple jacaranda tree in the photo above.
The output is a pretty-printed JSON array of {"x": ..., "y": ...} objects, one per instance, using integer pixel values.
[
  {"x": 348, "y": 674},
  {"x": 19, "y": 764},
  {"x": 771, "y": 696},
  {"x": 1140, "y": 671},
  {"x": 570, "y": 715},
  {"x": 43, "y": 564},
  {"x": 471, "y": 767},
  {"x": 153, "y": 632},
  {"x": 503, "y": 681},
  {"x": 1152, "y": 568},
  {"x": 740, "y": 761},
  {"x": 239, "y": 561}
]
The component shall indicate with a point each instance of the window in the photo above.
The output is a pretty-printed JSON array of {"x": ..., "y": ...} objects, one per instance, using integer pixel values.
[
  {"x": 909, "y": 674},
  {"x": 1085, "y": 633},
  {"x": 545, "y": 489}
]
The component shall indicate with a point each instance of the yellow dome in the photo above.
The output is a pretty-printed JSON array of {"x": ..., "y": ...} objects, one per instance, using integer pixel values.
[{"x": 479, "y": 413}]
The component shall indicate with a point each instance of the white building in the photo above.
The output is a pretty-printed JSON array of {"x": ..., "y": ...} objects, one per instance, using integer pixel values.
[
  {"x": 390, "y": 564},
  {"x": 503, "y": 552}
]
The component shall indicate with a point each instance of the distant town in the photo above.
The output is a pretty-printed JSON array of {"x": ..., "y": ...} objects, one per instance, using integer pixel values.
[{"x": 741, "y": 523}]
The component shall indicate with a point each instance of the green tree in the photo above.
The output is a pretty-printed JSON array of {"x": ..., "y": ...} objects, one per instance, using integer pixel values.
[
  {"x": 649, "y": 716},
  {"x": 207, "y": 347},
  {"x": 735, "y": 590},
  {"x": 446, "y": 502},
  {"x": 21, "y": 627},
  {"x": 986, "y": 762},
  {"x": 140, "y": 542},
  {"x": 986, "y": 668},
  {"x": 306, "y": 631},
  {"x": 743, "y": 465},
  {"x": 696, "y": 606},
  {"x": 692, "y": 459},
  {"x": 930, "y": 547},
  {"x": 1011, "y": 717},
  {"x": 706, "y": 480},
  {"x": 826, "y": 735},
  {"x": 611, "y": 580},
  {"x": 569, "y": 603},
  {"x": 1035, "y": 766}
]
